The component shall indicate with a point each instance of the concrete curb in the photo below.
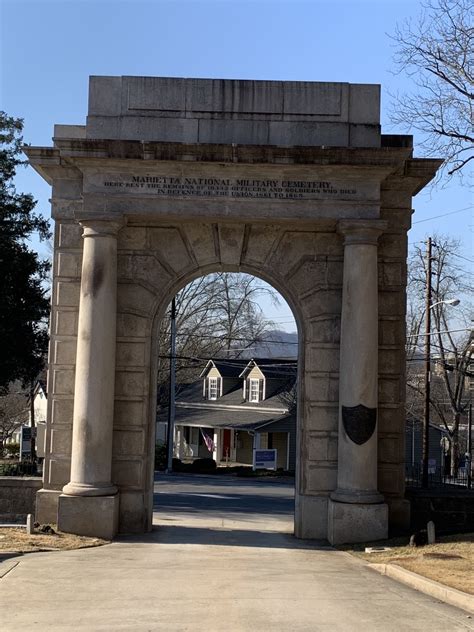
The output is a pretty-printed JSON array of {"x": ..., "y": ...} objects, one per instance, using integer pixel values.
[{"x": 439, "y": 591}]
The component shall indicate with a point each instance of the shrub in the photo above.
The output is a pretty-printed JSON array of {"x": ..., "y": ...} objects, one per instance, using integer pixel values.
[
  {"x": 12, "y": 450},
  {"x": 208, "y": 466},
  {"x": 25, "y": 468}
]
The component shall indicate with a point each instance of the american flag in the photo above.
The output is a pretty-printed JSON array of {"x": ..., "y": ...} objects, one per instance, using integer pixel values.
[{"x": 207, "y": 440}]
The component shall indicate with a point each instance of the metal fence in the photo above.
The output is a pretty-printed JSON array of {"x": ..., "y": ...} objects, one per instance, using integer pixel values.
[{"x": 436, "y": 477}]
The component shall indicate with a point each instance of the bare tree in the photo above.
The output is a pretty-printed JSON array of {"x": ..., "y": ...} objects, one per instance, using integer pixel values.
[
  {"x": 13, "y": 412},
  {"x": 218, "y": 315},
  {"x": 451, "y": 341},
  {"x": 436, "y": 51}
]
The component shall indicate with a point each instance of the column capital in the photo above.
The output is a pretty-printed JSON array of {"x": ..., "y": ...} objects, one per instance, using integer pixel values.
[
  {"x": 361, "y": 231},
  {"x": 101, "y": 227}
]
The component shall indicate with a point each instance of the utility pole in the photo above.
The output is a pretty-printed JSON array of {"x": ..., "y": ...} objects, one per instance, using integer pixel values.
[
  {"x": 427, "y": 372},
  {"x": 469, "y": 448},
  {"x": 172, "y": 393}
]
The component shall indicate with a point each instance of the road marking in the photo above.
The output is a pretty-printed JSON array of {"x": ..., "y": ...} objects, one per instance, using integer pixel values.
[{"x": 197, "y": 494}]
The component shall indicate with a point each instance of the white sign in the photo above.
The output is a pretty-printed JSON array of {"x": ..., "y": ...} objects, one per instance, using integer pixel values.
[{"x": 265, "y": 459}]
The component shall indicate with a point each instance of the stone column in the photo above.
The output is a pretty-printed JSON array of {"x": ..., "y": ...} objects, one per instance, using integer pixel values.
[
  {"x": 89, "y": 503},
  {"x": 356, "y": 509}
]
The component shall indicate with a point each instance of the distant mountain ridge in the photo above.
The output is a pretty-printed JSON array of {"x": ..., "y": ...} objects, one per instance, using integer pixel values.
[{"x": 276, "y": 344}]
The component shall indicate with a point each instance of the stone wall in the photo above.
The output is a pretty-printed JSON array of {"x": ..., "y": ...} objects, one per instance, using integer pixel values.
[{"x": 17, "y": 497}]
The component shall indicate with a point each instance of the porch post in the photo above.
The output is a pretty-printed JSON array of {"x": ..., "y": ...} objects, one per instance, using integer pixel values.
[
  {"x": 89, "y": 503},
  {"x": 357, "y": 512}
]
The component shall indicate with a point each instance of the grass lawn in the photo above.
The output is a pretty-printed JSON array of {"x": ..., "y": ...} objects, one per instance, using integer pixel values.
[{"x": 449, "y": 561}]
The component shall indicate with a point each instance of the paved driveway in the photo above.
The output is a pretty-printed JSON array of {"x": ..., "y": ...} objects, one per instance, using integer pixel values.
[{"x": 224, "y": 570}]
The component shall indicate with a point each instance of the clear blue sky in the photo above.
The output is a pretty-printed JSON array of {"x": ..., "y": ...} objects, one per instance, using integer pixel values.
[{"x": 49, "y": 49}]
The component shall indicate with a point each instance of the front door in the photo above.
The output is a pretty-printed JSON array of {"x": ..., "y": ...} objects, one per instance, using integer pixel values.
[{"x": 226, "y": 446}]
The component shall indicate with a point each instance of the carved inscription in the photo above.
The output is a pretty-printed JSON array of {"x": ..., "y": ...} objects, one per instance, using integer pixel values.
[{"x": 176, "y": 186}]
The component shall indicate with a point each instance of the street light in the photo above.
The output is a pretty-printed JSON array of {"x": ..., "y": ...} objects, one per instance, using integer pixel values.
[
  {"x": 449, "y": 301},
  {"x": 426, "y": 415}
]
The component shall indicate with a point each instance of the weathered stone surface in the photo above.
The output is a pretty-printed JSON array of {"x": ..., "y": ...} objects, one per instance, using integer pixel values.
[
  {"x": 321, "y": 447},
  {"x": 47, "y": 506},
  {"x": 129, "y": 443},
  {"x": 67, "y": 294},
  {"x": 131, "y": 354},
  {"x": 134, "y": 514},
  {"x": 59, "y": 471},
  {"x": 63, "y": 382},
  {"x": 321, "y": 418},
  {"x": 66, "y": 323},
  {"x": 61, "y": 441},
  {"x": 69, "y": 264},
  {"x": 64, "y": 351},
  {"x": 356, "y": 522},
  {"x": 129, "y": 383},
  {"x": 70, "y": 236},
  {"x": 132, "y": 325},
  {"x": 62, "y": 411},
  {"x": 95, "y": 516},
  {"x": 129, "y": 413},
  {"x": 311, "y": 516}
]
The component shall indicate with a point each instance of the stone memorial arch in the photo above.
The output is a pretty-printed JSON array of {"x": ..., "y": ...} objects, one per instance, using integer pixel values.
[{"x": 171, "y": 179}]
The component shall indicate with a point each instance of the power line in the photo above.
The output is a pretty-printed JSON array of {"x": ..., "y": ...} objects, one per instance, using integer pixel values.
[
  {"x": 228, "y": 338},
  {"x": 455, "y": 254},
  {"x": 461, "y": 210},
  {"x": 435, "y": 333}
]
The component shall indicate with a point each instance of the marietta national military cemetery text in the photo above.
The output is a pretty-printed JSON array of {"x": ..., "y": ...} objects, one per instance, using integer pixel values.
[{"x": 230, "y": 187}]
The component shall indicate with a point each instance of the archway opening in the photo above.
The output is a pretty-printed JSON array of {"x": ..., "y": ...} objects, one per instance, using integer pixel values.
[{"x": 226, "y": 422}]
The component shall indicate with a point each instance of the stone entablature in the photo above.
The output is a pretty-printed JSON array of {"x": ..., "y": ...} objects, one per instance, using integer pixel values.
[{"x": 307, "y": 248}]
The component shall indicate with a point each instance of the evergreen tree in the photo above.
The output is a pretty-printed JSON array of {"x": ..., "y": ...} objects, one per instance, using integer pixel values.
[{"x": 24, "y": 305}]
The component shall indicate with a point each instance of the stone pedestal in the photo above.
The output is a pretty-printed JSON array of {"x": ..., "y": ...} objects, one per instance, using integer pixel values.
[
  {"x": 360, "y": 522},
  {"x": 95, "y": 516},
  {"x": 47, "y": 506},
  {"x": 356, "y": 512}
]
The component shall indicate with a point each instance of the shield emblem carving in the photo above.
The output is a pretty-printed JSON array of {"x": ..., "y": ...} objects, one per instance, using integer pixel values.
[{"x": 359, "y": 422}]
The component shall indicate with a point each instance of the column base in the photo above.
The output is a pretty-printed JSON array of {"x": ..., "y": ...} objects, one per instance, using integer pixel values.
[
  {"x": 85, "y": 489},
  {"x": 95, "y": 516},
  {"x": 349, "y": 522},
  {"x": 358, "y": 497}
]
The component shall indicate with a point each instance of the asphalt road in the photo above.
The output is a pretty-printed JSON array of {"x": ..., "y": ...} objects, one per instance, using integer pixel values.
[{"x": 224, "y": 501}]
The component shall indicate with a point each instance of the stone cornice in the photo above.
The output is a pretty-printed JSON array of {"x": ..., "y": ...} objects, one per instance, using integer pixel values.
[
  {"x": 231, "y": 153},
  {"x": 393, "y": 167}
]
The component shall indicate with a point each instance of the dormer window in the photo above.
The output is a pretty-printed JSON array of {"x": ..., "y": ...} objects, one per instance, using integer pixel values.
[
  {"x": 212, "y": 388},
  {"x": 253, "y": 390}
]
